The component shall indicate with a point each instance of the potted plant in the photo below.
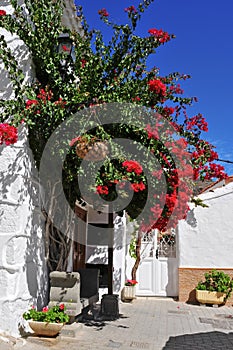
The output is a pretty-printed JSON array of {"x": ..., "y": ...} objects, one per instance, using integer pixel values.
[
  {"x": 215, "y": 289},
  {"x": 128, "y": 292},
  {"x": 48, "y": 321}
]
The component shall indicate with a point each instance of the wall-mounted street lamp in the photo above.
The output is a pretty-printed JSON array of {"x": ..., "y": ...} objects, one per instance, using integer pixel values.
[{"x": 65, "y": 46}]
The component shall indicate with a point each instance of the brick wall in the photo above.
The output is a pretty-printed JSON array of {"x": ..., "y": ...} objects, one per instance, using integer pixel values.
[{"x": 189, "y": 278}]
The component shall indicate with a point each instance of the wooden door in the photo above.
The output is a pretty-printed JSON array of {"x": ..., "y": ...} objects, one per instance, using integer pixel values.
[{"x": 80, "y": 237}]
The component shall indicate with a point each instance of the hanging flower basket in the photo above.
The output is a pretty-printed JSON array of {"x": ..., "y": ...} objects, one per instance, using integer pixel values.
[{"x": 92, "y": 150}]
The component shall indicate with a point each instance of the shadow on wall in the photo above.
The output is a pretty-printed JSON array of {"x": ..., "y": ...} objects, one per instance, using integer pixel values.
[
  {"x": 207, "y": 341},
  {"x": 25, "y": 64},
  {"x": 172, "y": 274},
  {"x": 191, "y": 219}
]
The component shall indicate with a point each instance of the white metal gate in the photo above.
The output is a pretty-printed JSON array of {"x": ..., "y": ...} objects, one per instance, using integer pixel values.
[{"x": 157, "y": 274}]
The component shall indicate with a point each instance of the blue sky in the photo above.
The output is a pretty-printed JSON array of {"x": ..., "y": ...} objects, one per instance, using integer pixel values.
[{"x": 203, "y": 48}]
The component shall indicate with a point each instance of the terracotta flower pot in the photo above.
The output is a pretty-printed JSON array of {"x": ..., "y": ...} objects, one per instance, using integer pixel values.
[{"x": 49, "y": 329}]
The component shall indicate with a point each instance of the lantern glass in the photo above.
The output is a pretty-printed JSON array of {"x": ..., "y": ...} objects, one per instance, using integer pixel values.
[{"x": 65, "y": 45}]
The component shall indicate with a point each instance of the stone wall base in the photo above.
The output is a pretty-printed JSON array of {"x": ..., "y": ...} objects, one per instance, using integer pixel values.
[{"x": 189, "y": 278}]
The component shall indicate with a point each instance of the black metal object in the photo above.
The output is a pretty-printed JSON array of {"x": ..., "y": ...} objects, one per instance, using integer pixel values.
[
  {"x": 65, "y": 46},
  {"x": 110, "y": 306},
  {"x": 110, "y": 250}
]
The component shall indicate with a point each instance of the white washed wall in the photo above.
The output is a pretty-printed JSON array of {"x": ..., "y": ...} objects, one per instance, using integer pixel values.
[
  {"x": 22, "y": 267},
  {"x": 206, "y": 237}
]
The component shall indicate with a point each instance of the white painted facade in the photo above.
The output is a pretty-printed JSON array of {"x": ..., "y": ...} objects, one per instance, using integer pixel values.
[
  {"x": 23, "y": 279},
  {"x": 205, "y": 238}
]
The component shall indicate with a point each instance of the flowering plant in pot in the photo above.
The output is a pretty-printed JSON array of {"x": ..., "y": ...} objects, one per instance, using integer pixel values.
[
  {"x": 215, "y": 289},
  {"x": 48, "y": 321},
  {"x": 128, "y": 292},
  {"x": 131, "y": 283}
]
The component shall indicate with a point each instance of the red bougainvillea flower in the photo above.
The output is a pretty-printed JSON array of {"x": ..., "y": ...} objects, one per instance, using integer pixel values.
[
  {"x": 132, "y": 166},
  {"x": 176, "y": 89},
  {"x": 157, "y": 86},
  {"x": 45, "y": 95},
  {"x": 168, "y": 110},
  {"x": 30, "y": 103},
  {"x": 2, "y": 13},
  {"x": 76, "y": 139},
  {"x": 60, "y": 102},
  {"x": 83, "y": 62},
  {"x": 138, "y": 186},
  {"x": 62, "y": 307},
  {"x": 102, "y": 189},
  {"x": 136, "y": 98},
  {"x": 103, "y": 12},
  {"x": 45, "y": 309},
  {"x": 131, "y": 9},
  {"x": 159, "y": 34},
  {"x": 198, "y": 121},
  {"x": 152, "y": 132},
  {"x": 8, "y": 134}
]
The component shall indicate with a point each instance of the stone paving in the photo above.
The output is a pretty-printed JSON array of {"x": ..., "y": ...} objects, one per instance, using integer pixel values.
[{"x": 146, "y": 323}]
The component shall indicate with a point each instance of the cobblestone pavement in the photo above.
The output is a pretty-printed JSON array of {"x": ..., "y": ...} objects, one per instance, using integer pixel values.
[{"x": 146, "y": 323}]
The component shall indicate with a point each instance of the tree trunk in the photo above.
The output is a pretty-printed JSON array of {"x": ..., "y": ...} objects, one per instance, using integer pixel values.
[
  {"x": 138, "y": 256},
  {"x": 57, "y": 244}
]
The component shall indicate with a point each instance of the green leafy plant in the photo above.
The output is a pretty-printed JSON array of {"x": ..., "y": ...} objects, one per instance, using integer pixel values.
[
  {"x": 56, "y": 314},
  {"x": 216, "y": 281},
  {"x": 115, "y": 71}
]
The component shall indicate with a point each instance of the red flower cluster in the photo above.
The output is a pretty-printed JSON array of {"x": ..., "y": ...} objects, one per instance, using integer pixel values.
[
  {"x": 138, "y": 186},
  {"x": 102, "y": 189},
  {"x": 176, "y": 89},
  {"x": 30, "y": 103},
  {"x": 214, "y": 170},
  {"x": 152, "y": 132},
  {"x": 130, "y": 282},
  {"x": 197, "y": 121},
  {"x": 60, "y": 102},
  {"x": 2, "y": 13},
  {"x": 132, "y": 166},
  {"x": 131, "y": 9},
  {"x": 103, "y": 12},
  {"x": 159, "y": 34},
  {"x": 8, "y": 134},
  {"x": 168, "y": 110},
  {"x": 45, "y": 95},
  {"x": 62, "y": 307},
  {"x": 157, "y": 86},
  {"x": 83, "y": 62},
  {"x": 76, "y": 139},
  {"x": 135, "y": 99}
]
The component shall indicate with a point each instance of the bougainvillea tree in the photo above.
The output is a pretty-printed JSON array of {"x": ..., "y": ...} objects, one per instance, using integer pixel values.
[{"x": 102, "y": 74}]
